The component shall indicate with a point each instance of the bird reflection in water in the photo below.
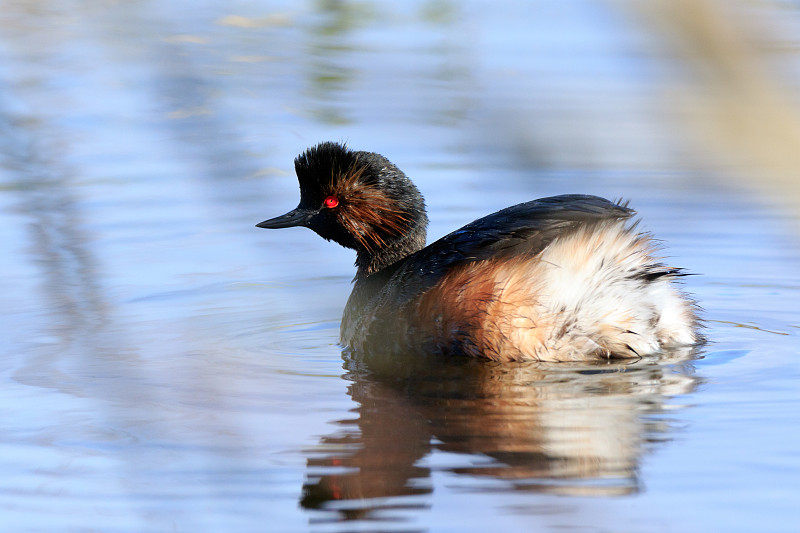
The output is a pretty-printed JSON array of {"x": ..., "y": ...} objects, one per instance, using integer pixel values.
[{"x": 578, "y": 429}]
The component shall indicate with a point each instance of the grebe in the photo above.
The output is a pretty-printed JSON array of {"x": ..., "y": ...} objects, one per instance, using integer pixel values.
[{"x": 565, "y": 278}]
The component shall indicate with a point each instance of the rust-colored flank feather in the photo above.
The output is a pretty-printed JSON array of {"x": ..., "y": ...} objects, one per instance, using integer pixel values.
[
  {"x": 566, "y": 278},
  {"x": 578, "y": 299}
]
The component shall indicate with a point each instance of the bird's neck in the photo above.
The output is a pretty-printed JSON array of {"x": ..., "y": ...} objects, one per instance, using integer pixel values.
[{"x": 369, "y": 262}]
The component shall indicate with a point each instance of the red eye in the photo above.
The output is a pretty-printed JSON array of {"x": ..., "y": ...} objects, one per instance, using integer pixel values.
[{"x": 331, "y": 201}]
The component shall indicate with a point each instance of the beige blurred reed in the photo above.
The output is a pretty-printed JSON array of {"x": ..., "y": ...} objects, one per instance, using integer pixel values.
[{"x": 737, "y": 108}]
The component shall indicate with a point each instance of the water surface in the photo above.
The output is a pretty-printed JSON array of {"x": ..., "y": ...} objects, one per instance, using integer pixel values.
[{"x": 169, "y": 367}]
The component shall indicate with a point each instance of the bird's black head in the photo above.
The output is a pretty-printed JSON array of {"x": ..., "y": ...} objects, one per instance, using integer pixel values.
[{"x": 360, "y": 200}]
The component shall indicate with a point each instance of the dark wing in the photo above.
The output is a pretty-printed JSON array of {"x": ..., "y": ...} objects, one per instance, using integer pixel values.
[{"x": 526, "y": 228}]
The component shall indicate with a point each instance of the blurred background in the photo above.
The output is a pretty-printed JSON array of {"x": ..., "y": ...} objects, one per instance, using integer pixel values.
[{"x": 166, "y": 366}]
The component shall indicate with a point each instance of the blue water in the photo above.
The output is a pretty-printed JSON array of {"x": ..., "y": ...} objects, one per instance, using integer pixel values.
[{"x": 169, "y": 367}]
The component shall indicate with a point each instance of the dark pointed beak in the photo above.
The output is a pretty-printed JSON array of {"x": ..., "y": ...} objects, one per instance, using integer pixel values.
[{"x": 296, "y": 217}]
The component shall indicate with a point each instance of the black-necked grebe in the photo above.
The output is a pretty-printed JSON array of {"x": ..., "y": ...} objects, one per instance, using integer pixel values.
[{"x": 565, "y": 278}]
